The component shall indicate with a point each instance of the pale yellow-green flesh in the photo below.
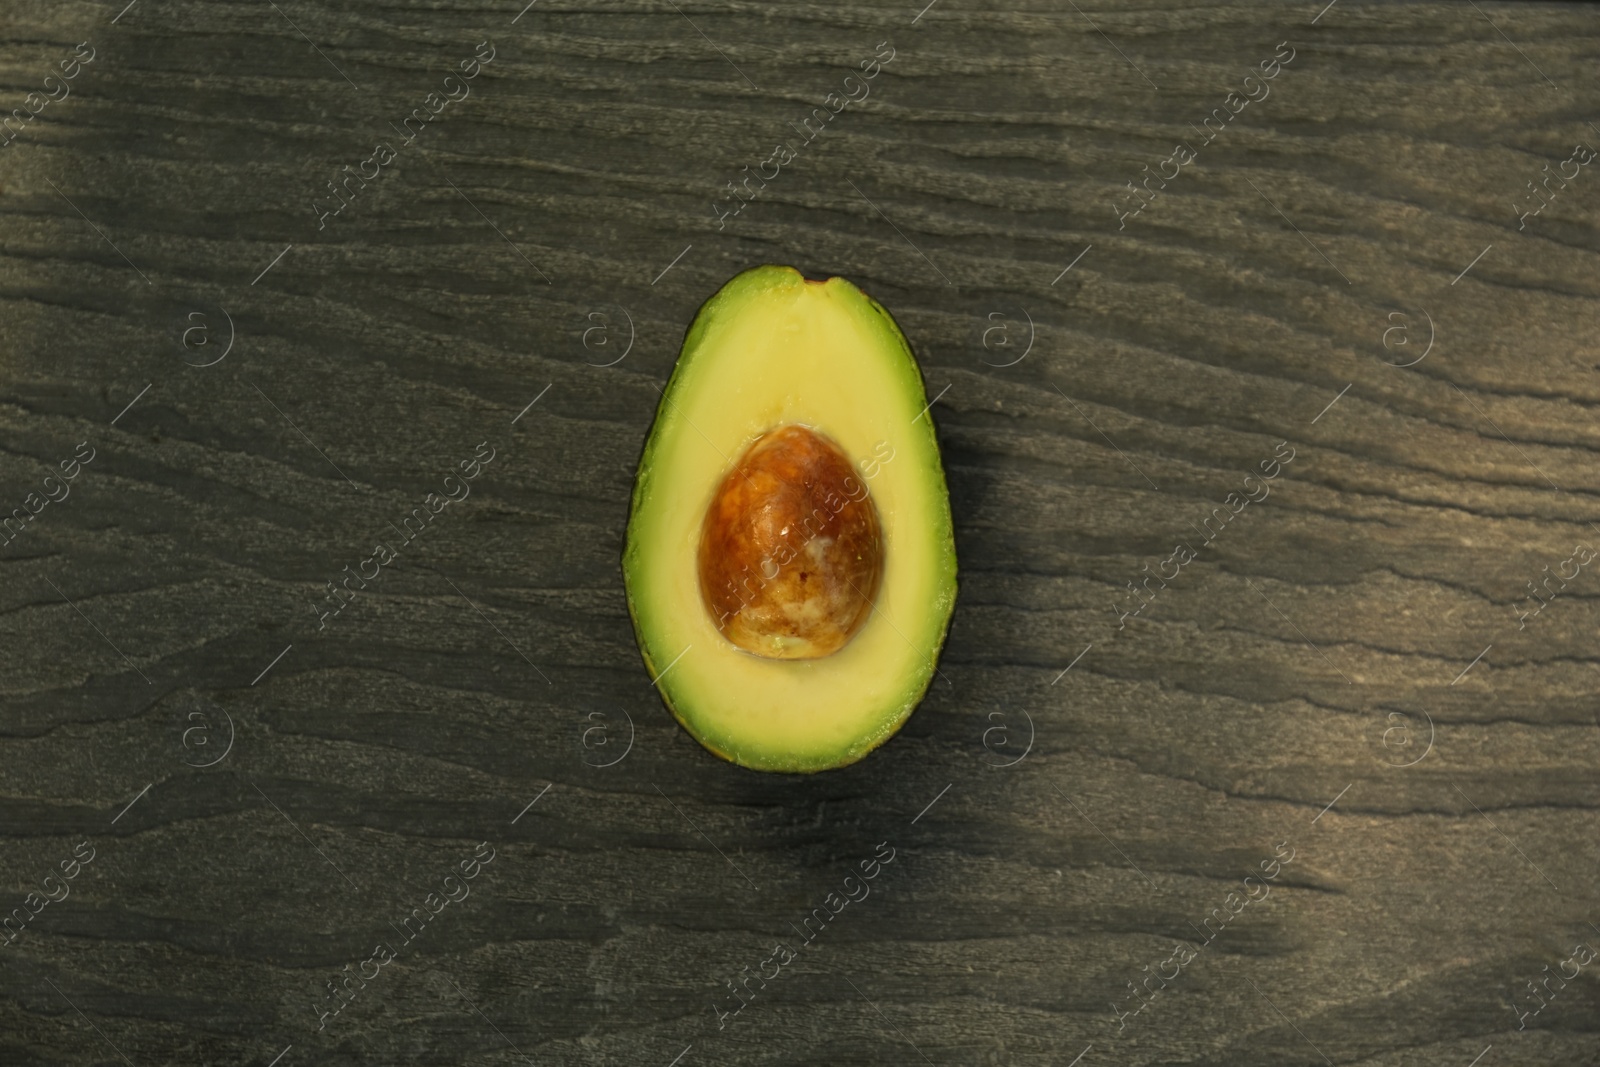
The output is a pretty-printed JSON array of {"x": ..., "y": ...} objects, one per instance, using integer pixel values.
[{"x": 772, "y": 349}]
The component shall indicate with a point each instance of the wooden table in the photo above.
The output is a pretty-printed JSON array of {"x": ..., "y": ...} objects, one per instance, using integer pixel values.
[{"x": 1128, "y": 289}]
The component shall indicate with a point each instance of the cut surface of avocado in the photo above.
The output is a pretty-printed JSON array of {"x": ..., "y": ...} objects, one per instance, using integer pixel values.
[{"x": 790, "y": 560}]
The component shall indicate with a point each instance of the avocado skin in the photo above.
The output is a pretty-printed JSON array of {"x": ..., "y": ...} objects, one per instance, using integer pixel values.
[{"x": 725, "y": 303}]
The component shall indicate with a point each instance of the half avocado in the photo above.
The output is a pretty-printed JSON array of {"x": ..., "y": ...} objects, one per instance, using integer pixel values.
[{"x": 790, "y": 560}]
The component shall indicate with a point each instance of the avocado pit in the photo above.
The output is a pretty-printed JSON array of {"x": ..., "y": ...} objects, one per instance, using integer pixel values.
[{"x": 791, "y": 552}]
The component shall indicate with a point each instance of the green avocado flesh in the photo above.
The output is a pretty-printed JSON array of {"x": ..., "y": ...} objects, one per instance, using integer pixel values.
[{"x": 772, "y": 349}]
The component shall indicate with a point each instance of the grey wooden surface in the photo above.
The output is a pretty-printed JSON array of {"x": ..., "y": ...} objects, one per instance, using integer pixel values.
[{"x": 1341, "y": 672}]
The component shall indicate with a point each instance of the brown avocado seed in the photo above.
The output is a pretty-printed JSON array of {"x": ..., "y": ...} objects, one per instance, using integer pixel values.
[{"x": 791, "y": 555}]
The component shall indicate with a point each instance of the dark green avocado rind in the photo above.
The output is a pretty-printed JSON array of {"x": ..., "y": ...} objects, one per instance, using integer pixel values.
[{"x": 734, "y": 293}]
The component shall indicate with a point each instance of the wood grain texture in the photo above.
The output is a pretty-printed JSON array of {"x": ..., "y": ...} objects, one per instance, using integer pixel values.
[{"x": 1083, "y": 822}]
